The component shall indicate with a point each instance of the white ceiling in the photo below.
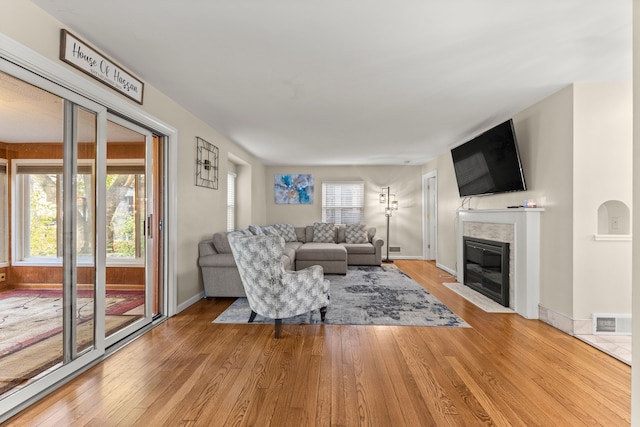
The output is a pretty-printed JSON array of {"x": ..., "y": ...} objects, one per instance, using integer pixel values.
[{"x": 367, "y": 82}]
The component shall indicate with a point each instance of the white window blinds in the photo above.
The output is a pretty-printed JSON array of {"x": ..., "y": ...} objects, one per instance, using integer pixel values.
[
  {"x": 343, "y": 202},
  {"x": 231, "y": 201}
]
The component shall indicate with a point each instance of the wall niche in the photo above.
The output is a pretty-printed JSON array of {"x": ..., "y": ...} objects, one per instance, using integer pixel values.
[{"x": 614, "y": 221}]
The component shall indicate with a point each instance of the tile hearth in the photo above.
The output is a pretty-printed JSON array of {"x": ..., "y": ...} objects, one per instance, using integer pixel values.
[{"x": 618, "y": 346}]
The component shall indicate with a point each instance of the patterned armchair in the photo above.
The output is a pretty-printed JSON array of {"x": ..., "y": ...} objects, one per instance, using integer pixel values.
[{"x": 271, "y": 291}]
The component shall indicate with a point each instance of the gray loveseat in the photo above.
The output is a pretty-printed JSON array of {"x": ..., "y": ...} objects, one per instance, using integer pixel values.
[{"x": 333, "y": 250}]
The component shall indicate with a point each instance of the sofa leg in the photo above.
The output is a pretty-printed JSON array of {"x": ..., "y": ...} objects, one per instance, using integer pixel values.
[
  {"x": 278, "y": 327},
  {"x": 323, "y": 313},
  {"x": 252, "y": 316}
]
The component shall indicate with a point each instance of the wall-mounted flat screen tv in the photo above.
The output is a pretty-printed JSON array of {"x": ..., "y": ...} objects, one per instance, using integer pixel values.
[{"x": 489, "y": 163}]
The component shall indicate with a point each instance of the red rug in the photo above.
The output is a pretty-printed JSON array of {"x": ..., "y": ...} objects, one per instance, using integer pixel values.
[{"x": 28, "y": 316}]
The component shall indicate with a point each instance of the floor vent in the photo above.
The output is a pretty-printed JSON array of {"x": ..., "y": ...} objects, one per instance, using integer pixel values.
[{"x": 619, "y": 324}]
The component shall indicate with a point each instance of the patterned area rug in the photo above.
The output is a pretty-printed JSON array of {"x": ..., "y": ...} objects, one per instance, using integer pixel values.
[
  {"x": 29, "y": 316},
  {"x": 367, "y": 296},
  {"x": 31, "y": 329}
]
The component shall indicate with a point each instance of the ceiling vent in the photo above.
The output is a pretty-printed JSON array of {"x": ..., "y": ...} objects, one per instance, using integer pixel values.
[{"x": 616, "y": 324}]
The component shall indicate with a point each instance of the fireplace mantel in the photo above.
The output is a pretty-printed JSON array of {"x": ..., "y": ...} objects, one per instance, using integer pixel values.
[{"x": 525, "y": 251}]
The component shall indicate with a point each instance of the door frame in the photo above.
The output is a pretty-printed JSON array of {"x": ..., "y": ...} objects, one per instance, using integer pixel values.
[
  {"x": 14, "y": 56},
  {"x": 430, "y": 216},
  {"x": 149, "y": 241},
  {"x": 18, "y": 54}
]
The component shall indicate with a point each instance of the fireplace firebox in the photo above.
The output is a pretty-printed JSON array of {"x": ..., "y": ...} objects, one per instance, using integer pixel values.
[{"x": 486, "y": 268}]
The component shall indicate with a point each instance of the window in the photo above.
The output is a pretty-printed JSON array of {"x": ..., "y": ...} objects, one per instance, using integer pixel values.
[
  {"x": 343, "y": 202},
  {"x": 39, "y": 210},
  {"x": 231, "y": 201},
  {"x": 125, "y": 211}
]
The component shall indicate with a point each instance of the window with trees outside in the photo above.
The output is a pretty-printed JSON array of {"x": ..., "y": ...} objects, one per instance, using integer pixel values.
[
  {"x": 38, "y": 201},
  {"x": 343, "y": 202}
]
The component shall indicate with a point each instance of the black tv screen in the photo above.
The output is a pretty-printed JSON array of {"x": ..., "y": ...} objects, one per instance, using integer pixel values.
[{"x": 489, "y": 163}]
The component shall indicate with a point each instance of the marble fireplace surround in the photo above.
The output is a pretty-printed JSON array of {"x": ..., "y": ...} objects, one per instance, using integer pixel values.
[{"x": 520, "y": 227}]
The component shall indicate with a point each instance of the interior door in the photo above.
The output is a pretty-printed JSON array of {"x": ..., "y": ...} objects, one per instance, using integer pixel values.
[
  {"x": 430, "y": 216},
  {"x": 129, "y": 217}
]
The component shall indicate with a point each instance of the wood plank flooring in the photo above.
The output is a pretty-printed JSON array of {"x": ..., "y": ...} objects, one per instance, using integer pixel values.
[{"x": 504, "y": 371}]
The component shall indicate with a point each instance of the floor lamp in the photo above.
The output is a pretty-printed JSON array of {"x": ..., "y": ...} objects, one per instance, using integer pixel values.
[{"x": 386, "y": 198}]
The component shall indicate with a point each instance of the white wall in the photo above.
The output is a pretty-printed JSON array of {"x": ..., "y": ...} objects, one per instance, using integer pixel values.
[
  {"x": 602, "y": 169},
  {"x": 405, "y": 182},
  {"x": 635, "y": 372},
  {"x": 199, "y": 210}
]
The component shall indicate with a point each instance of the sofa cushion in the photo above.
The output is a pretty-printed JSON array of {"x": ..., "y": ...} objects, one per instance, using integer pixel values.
[
  {"x": 321, "y": 252},
  {"x": 324, "y": 232},
  {"x": 340, "y": 233},
  {"x": 356, "y": 233},
  {"x": 359, "y": 248},
  {"x": 287, "y": 231},
  {"x": 221, "y": 243},
  {"x": 270, "y": 230},
  {"x": 301, "y": 234},
  {"x": 371, "y": 233},
  {"x": 256, "y": 230}
]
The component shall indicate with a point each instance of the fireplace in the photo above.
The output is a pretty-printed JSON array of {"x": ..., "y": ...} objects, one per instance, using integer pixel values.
[{"x": 486, "y": 268}]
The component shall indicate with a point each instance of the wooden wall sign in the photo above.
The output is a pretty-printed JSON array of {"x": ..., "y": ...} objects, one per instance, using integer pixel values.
[{"x": 82, "y": 56}]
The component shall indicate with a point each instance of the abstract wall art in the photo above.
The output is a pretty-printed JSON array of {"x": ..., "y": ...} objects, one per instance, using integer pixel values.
[{"x": 293, "y": 189}]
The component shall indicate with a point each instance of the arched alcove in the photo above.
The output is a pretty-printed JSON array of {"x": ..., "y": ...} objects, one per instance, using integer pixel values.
[{"x": 614, "y": 217}]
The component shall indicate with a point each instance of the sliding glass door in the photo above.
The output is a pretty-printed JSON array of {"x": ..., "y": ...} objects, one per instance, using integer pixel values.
[
  {"x": 51, "y": 277},
  {"x": 129, "y": 232}
]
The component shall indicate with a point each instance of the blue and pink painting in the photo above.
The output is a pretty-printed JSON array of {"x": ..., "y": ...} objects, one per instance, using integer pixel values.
[{"x": 293, "y": 189}]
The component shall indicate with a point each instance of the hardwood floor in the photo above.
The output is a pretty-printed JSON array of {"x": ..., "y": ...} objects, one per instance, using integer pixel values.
[{"x": 505, "y": 370}]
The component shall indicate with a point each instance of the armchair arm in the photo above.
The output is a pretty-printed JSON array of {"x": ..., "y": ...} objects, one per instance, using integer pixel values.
[{"x": 309, "y": 281}]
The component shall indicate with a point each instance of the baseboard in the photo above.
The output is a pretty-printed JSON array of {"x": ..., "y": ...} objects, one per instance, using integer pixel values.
[
  {"x": 447, "y": 269},
  {"x": 557, "y": 320},
  {"x": 194, "y": 299}
]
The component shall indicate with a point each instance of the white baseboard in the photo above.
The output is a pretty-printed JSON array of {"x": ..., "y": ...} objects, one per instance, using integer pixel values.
[
  {"x": 557, "y": 320},
  {"x": 447, "y": 269},
  {"x": 194, "y": 299}
]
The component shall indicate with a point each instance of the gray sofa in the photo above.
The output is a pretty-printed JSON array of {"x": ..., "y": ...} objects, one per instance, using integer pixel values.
[{"x": 220, "y": 273}]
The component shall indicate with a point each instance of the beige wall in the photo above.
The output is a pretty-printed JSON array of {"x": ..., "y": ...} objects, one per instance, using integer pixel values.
[
  {"x": 545, "y": 137},
  {"x": 448, "y": 202},
  {"x": 405, "y": 182},
  {"x": 602, "y": 169},
  {"x": 576, "y": 154},
  {"x": 199, "y": 211}
]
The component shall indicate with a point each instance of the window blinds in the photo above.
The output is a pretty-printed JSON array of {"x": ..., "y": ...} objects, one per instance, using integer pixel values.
[
  {"x": 343, "y": 202},
  {"x": 231, "y": 201}
]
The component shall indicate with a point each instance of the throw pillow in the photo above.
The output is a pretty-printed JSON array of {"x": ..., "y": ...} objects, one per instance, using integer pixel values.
[
  {"x": 356, "y": 233},
  {"x": 324, "y": 232},
  {"x": 287, "y": 231},
  {"x": 256, "y": 230},
  {"x": 270, "y": 230}
]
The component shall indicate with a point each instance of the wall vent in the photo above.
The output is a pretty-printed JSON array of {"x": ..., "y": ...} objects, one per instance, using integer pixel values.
[
  {"x": 616, "y": 324},
  {"x": 394, "y": 248}
]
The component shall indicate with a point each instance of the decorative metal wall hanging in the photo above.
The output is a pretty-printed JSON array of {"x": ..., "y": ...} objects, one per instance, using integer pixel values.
[{"x": 206, "y": 164}]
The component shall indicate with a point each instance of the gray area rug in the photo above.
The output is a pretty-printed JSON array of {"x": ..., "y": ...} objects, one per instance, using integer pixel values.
[{"x": 366, "y": 296}]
